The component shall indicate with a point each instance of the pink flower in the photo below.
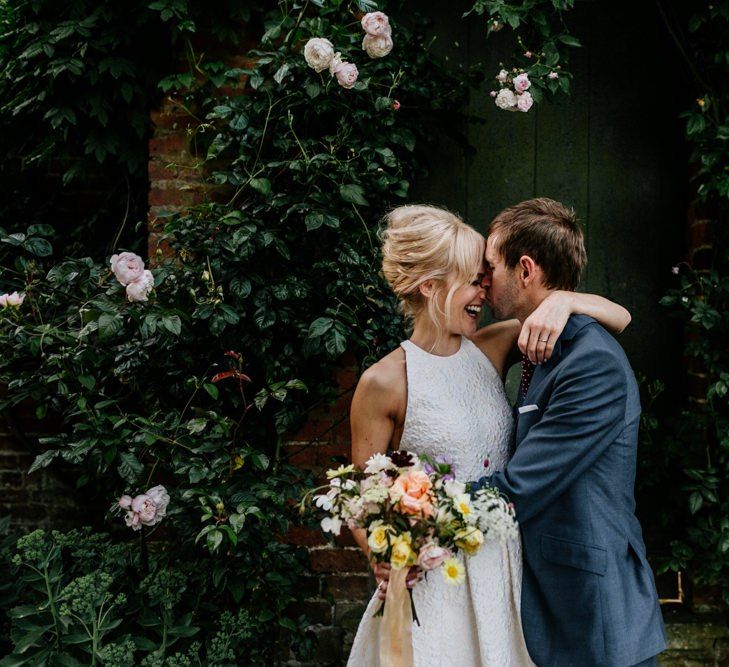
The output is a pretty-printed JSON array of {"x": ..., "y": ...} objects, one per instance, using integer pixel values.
[
  {"x": 524, "y": 102},
  {"x": 127, "y": 267},
  {"x": 528, "y": 54},
  {"x": 146, "y": 509},
  {"x": 522, "y": 83},
  {"x": 139, "y": 289},
  {"x": 376, "y": 23},
  {"x": 502, "y": 76},
  {"x": 432, "y": 556},
  {"x": 12, "y": 300},
  {"x": 318, "y": 53},
  {"x": 412, "y": 491},
  {"x": 125, "y": 502},
  {"x": 377, "y": 46},
  {"x": 395, "y": 105},
  {"x": 553, "y": 76},
  {"x": 493, "y": 93},
  {"x": 346, "y": 74}
]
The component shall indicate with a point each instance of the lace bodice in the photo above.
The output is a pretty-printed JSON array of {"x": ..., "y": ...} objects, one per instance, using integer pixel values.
[{"x": 457, "y": 407}]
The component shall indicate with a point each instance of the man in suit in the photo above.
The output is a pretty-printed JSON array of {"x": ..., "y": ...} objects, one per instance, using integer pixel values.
[{"x": 588, "y": 593}]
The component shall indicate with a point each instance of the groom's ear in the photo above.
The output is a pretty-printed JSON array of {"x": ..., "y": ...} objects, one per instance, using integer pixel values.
[{"x": 527, "y": 271}]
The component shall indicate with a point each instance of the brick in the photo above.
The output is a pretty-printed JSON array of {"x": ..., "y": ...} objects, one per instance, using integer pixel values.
[
  {"x": 176, "y": 197},
  {"x": 306, "y": 537},
  {"x": 348, "y": 586},
  {"x": 337, "y": 560},
  {"x": 345, "y": 539},
  {"x": 171, "y": 145},
  {"x": 329, "y": 646},
  {"x": 318, "y": 612},
  {"x": 347, "y": 615},
  {"x": 317, "y": 457}
]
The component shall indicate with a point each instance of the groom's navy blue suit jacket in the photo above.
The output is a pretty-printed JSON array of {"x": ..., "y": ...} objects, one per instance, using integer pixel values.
[{"x": 588, "y": 594}]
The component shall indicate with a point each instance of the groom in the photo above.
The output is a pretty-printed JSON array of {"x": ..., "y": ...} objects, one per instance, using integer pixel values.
[{"x": 588, "y": 595}]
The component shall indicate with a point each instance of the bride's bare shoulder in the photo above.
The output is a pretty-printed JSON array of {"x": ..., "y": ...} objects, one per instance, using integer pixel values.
[{"x": 383, "y": 386}]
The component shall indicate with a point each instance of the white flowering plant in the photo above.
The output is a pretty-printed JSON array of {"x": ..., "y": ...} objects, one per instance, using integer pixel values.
[{"x": 414, "y": 512}]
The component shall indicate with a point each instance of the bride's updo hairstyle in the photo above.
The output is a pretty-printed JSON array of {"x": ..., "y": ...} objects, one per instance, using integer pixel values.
[{"x": 422, "y": 243}]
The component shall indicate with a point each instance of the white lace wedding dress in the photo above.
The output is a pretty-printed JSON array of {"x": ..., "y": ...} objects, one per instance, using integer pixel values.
[{"x": 457, "y": 408}]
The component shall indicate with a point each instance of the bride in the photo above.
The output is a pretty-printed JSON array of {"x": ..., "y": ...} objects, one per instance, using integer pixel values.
[{"x": 441, "y": 393}]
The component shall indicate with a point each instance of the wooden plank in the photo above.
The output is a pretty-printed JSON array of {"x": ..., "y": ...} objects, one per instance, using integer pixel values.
[{"x": 636, "y": 208}]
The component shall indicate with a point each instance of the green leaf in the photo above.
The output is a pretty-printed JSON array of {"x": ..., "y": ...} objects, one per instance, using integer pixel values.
[
  {"x": 320, "y": 326},
  {"x": 172, "y": 324},
  {"x": 109, "y": 325},
  {"x": 212, "y": 390},
  {"x": 569, "y": 40},
  {"x": 263, "y": 185},
  {"x": 695, "y": 502},
  {"x": 353, "y": 193},
  {"x": 214, "y": 539},
  {"x": 130, "y": 468},
  {"x": 312, "y": 89},
  {"x": 87, "y": 381},
  {"x": 38, "y": 246},
  {"x": 281, "y": 73},
  {"x": 43, "y": 460}
]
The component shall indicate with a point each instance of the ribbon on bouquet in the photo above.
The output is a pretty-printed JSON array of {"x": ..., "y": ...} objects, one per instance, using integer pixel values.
[{"x": 396, "y": 626}]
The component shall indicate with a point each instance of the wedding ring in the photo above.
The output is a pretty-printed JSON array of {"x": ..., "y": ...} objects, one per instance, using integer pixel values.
[{"x": 544, "y": 340}]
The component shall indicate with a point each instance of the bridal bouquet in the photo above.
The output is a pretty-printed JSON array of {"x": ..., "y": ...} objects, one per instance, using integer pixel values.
[{"x": 415, "y": 512}]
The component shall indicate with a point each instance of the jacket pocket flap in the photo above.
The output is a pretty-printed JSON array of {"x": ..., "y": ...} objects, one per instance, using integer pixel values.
[{"x": 574, "y": 554}]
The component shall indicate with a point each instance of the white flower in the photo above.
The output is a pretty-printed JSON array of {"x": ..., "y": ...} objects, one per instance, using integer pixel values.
[
  {"x": 553, "y": 76},
  {"x": 346, "y": 74},
  {"x": 339, "y": 472},
  {"x": 674, "y": 270},
  {"x": 323, "y": 502},
  {"x": 522, "y": 83},
  {"x": 502, "y": 76},
  {"x": 376, "y": 494},
  {"x": 453, "y": 571},
  {"x": 376, "y": 463},
  {"x": 376, "y": 23},
  {"x": 331, "y": 524},
  {"x": 524, "y": 102},
  {"x": 318, "y": 53},
  {"x": 463, "y": 506},
  {"x": 127, "y": 267},
  {"x": 139, "y": 289},
  {"x": 335, "y": 62},
  {"x": 454, "y": 488},
  {"x": 505, "y": 99},
  {"x": 13, "y": 300},
  {"x": 377, "y": 46}
]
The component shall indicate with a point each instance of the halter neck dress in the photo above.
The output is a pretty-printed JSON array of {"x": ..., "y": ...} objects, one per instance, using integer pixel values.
[{"x": 457, "y": 408}]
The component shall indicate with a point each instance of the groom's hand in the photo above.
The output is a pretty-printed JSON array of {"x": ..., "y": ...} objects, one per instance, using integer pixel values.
[{"x": 382, "y": 575}]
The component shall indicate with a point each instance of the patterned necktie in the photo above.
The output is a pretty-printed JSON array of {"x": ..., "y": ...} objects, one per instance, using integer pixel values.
[{"x": 527, "y": 370}]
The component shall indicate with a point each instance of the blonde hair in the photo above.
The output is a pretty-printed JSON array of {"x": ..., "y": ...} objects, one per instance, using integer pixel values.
[{"x": 421, "y": 243}]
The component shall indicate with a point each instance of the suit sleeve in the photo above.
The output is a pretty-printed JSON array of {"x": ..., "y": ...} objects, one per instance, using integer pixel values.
[{"x": 585, "y": 413}]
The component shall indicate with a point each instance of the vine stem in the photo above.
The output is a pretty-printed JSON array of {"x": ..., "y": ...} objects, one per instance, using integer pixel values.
[{"x": 52, "y": 605}]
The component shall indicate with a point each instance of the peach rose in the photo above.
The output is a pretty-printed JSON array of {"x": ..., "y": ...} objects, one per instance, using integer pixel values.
[{"x": 412, "y": 492}]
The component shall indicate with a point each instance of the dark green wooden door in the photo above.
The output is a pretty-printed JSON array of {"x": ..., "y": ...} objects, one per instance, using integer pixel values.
[{"x": 612, "y": 150}]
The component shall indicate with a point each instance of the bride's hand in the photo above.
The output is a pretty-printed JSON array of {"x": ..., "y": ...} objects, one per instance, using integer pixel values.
[
  {"x": 382, "y": 576},
  {"x": 543, "y": 327}
]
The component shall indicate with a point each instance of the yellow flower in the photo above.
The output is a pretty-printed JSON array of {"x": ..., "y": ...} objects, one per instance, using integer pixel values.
[
  {"x": 402, "y": 554},
  {"x": 453, "y": 571},
  {"x": 377, "y": 539},
  {"x": 340, "y": 471},
  {"x": 469, "y": 539},
  {"x": 238, "y": 462}
]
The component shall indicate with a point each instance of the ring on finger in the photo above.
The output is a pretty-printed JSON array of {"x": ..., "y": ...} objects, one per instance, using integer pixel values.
[{"x": 543, "y": 340}]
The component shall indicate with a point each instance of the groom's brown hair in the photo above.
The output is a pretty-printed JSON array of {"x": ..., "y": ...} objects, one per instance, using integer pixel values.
[{"x": 546, "y": 231}]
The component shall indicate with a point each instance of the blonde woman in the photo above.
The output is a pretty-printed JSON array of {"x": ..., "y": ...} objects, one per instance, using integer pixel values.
[{"x": 441, "y": 393}]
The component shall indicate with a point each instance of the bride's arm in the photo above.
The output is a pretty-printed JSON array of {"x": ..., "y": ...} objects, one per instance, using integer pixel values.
[
  {"x": 377, "y": 405},
  {"x": 550, "y": 317}
]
